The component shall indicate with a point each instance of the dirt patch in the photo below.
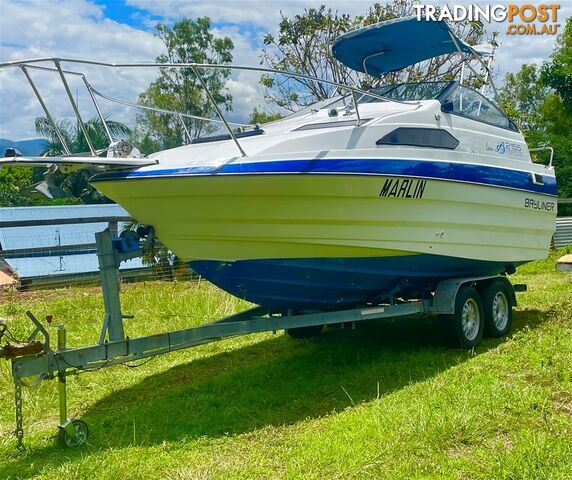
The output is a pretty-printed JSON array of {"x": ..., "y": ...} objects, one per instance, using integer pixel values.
[{"x": 563, "y": 402}]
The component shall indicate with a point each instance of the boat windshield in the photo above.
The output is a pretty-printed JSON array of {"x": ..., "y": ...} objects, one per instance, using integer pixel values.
[{"x": 408, "y": 91}]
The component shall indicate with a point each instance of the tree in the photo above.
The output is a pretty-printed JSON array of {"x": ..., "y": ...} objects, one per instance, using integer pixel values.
[
  {"x": 303, "y": 46},
  {"x": 76, "y": 184},
  {"x": 557, "y": 112},
  {"x": 16, "y": 183},
  {"x": 557, "y": 73},
  {"x": 11, "y": 180},
  {"x": 539, "y": 99},
  {"x": 522, "y": 97},
  {"x": 74, "y": 137},
  {"x": 179, "y": 89},
  {"x": 258, "y": 117},
  {"x": 147, "y": 145}
]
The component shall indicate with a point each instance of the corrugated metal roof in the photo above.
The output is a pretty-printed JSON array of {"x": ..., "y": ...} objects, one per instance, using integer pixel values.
[
  {"x": 45, "y": 236},
  {"x": 52, "y": 235},
  {"x": 61, "y": 211},
  {"x": 61, "y": 265},
  {"x": 563, "y": 234}
]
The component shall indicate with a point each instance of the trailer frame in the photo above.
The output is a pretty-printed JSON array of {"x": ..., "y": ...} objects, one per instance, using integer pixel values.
[{"x": 36, "y": 357}]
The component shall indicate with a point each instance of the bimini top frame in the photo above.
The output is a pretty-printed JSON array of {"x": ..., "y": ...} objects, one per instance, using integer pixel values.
[
  {"x": 398, "y": 43},
  {"x": 40, "y": 64},
  {"x": 395, "y": 44}
]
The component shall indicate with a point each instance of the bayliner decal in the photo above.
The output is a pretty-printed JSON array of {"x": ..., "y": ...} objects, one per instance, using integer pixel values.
[
  {"x": 403, "y": 188},
  {"x": 539, "y": 204}
]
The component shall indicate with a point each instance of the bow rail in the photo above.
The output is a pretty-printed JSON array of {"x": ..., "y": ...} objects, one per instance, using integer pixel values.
[{"x": 39, "y": 64}]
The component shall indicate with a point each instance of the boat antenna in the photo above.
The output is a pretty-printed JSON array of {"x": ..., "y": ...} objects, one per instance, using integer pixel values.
[{"x": 488, "y": 69}]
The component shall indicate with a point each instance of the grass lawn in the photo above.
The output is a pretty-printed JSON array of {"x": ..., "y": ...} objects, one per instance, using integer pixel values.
[{"x": 387, "y": 400}]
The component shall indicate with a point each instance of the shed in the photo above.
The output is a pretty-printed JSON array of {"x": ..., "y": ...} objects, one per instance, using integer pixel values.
[
  {"x": 55, "y": 244},
  {"x": 563, "y": 233}
]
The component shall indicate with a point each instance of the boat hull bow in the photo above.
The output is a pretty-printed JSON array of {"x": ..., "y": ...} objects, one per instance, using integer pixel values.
[{"x": 321, "y": 240}]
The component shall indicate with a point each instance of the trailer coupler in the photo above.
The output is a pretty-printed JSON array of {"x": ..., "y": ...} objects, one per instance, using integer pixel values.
[
  {"x": 20, "y": 349},
  {"x": 71, "y": 432},
  {"x": 34, "y": 358}
]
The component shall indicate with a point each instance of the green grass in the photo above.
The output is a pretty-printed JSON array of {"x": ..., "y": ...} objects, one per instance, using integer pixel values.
[{"x": 388, "y": 400}]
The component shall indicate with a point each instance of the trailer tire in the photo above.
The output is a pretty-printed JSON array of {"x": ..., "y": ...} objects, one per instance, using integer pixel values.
[
  {"x": 300, "y": 333},
  {"x": 467, "y": 321},
  {"x": 497, "y": 304}
]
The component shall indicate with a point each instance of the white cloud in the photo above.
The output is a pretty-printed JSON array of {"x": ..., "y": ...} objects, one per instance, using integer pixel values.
[
  {"x": 264, "y": 14},
  {"x": 516, "y": 50},
  {"x": 243, "y": 85},
  {"x": 66, "y": 29},
  {"x": 513, "y": 50}
]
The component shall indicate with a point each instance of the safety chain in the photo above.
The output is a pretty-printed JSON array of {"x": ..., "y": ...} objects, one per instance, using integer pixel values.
[
  {"x": 3, "y": 329},
  {"x": 19, "y": 432}
]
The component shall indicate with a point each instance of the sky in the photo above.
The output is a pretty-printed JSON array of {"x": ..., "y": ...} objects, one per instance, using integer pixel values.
[{"x": 122, "y": 31}]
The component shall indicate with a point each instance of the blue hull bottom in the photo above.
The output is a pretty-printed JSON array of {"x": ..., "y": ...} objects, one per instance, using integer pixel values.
[{"x": 335, "y": 283}]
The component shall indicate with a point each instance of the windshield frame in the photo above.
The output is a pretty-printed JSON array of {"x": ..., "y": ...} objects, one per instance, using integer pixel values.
[
  {"x": 387, "y": 89},
  {"x": 446, "y": 96}
]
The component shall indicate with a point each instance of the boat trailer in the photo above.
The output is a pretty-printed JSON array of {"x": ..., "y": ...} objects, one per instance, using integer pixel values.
[{"x": 36, "y": 358}]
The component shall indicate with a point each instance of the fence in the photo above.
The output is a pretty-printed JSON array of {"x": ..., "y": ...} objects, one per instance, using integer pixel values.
[
  {"x": 563, "y": 234},
  {"x": 48, "y": 247}
]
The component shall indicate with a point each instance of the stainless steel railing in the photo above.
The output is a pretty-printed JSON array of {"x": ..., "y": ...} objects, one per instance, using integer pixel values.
[
  {"x": 26, "y": 65},
  {"x": 544, "y": 147}
]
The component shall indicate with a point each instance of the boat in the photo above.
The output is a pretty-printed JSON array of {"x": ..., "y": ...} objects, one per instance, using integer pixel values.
[{"x": 373, "y": 196}]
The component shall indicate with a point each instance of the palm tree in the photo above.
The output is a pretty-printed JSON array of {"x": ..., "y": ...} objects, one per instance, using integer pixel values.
[
  {"x": 74, "y": 137},
  {"x": 77, "y": 184}
]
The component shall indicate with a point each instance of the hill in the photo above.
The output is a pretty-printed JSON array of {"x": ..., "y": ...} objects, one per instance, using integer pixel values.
[{"x": 27, "y": 147}]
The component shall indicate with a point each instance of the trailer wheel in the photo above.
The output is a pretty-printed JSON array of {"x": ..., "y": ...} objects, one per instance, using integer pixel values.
[
  {"x": 497, "y": 304},
  {"x": 467, "y": 322},
  {"x": 81, "y": 434},
  {"x": 305, "y": 332}
]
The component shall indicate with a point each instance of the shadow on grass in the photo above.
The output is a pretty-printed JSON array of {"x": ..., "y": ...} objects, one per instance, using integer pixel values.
[{"x": 274, "y": 382}]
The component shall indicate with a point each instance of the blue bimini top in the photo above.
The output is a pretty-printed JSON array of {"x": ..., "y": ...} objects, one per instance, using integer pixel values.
[{"x": 395, "y": 44}]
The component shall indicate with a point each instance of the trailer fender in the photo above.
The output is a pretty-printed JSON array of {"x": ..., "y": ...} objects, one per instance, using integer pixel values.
[{"x": 446, "y": 292}]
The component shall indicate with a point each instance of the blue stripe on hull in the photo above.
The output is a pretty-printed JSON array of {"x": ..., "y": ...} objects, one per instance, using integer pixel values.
[
  {"x": 333, "y": 283},
  {"x": 460, "y": 172}
]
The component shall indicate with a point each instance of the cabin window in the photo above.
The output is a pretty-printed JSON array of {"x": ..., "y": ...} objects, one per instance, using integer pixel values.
[
  {"x": 217, "y": 138},
  {"x": 472, "y": 104},
  {"x": 420, "y": 137},
  {"x": 406, "y": 92}
]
